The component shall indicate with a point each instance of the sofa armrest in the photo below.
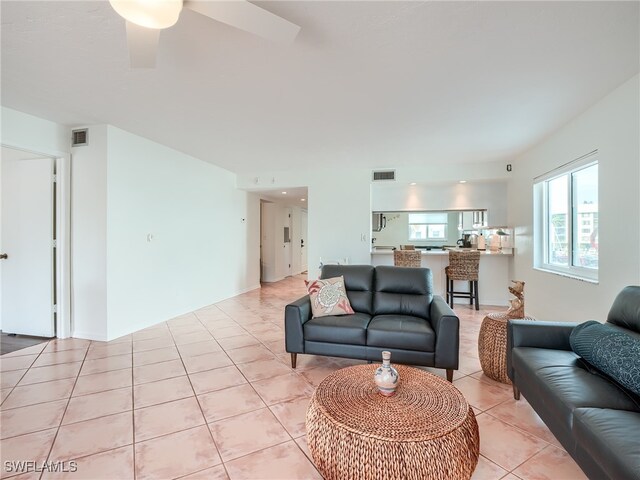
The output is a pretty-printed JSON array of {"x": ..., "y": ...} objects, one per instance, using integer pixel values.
[
  {"x": 446, "y": 325},
  {"x": 295, "y": 315},
  {"x": 525, "y": 333}
]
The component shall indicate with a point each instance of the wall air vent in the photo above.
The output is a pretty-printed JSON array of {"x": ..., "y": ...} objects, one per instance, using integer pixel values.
[
  {"x": 79, "y": 138},
  {"x": 384, "y": 175}
]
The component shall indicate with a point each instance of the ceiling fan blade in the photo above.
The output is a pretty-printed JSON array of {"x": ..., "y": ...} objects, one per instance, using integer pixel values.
[
  {"x": 143, "y": 45},
  {"x": 248, "y": 17}
]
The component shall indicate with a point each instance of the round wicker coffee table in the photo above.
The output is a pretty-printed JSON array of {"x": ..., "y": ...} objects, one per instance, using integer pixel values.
[
  {"x": 492, "y": 346},
  {"x": 427, "y": 430}
]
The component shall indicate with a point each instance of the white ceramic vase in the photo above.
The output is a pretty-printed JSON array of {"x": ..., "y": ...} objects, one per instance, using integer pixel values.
[{"x": 386, "y": 377}]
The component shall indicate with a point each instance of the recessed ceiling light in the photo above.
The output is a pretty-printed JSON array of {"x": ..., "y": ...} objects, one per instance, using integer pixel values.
[
  {"x": 284, "y": 193},
  {"x": 412, "y": 183},
  {"x": 303, "y": 199},
  {"x": 463, "y": 181}
]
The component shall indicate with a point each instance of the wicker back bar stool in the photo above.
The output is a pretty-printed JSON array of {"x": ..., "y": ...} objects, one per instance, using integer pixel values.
[
  {"x": 463, "y": 266},
  {"x": 407, "y": 258}
]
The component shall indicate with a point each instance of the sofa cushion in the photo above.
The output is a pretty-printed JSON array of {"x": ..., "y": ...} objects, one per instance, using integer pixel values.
[
  {"x": 347, "y": 329},
  {"x": 568, "y": 388},
  {"x": 561, "y": 380},
  {"x": 401, "y": 331},
  {"x": 358, "y": 282},
  {"x": 611, "y": 350},
  {"x": 403, "y": 291},
  {"x": 610, "y": 437},
  {"x": 328, "y": 297}
]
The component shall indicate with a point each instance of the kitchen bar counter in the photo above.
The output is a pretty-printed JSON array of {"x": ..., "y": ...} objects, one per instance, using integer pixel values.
[
  {"x": 505, "y": 252},
  {"x": 493, "y": 277}
]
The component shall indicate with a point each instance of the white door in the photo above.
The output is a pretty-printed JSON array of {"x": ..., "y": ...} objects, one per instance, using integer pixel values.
[
  {"x": 286, "y": 242},
  {"x": 27, "y": 240},
  {"x": 303, "y": 241}
]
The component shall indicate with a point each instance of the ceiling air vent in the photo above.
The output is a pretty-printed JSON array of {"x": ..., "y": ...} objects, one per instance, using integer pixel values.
[
  {"x": 384, "y": 175},
  {"x": 79, "y": 137}
]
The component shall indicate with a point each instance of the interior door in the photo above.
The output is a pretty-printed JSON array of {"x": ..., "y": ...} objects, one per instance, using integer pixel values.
[
  {"x": 303, "y": 241},
  {"x": 288, "y": 251},
  {"x": 27, "y": 216}
]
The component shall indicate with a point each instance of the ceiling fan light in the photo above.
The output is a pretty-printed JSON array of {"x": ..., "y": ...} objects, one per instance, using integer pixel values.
[{"x": 156, "y": 14}]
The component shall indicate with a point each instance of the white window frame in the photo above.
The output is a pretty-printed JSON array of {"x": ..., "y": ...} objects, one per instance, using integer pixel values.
[
  {"x": 541, "y": 225},
  {"x": 428, "y": 238}
]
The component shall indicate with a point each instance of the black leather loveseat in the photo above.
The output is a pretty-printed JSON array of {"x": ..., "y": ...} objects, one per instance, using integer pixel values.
[
  {"x": 395, "y": 310},
  {"x": 595, "y": 418}
]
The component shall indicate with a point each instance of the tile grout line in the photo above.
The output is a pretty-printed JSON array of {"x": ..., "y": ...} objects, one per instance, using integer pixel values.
[
  {"x": 133, "y": 417},
  {"x": 521, "y": 430},
  {"x": 204, "y": 417},
  {"x": 529, "y": 458},
  {"x": 268, "y": 407},
  {"x": 55, "y": 437},
  {"x": 25, "y": 372}
]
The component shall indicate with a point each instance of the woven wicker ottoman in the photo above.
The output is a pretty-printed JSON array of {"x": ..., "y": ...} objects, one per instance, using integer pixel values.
[
  {"x": 427, "y": 430},
  {"x": 492, "y": 346}
]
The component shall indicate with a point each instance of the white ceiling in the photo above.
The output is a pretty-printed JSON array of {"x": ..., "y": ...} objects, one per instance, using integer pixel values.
[{"x": 366, "y": 83}]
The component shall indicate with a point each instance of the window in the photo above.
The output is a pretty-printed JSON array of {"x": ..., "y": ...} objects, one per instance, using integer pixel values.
[
  {"x": 427, "y": 226},
  {"x": 566, "y": 220}
]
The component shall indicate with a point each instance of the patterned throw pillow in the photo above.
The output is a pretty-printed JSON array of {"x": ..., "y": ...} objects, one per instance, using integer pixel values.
[
  {"x": 328, "y": 297},
  {"x": 612, "y": 351}
]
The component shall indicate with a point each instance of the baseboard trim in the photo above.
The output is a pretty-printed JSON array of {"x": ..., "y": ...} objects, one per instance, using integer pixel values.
[
  {"x": 245, "y": 290},
  {"x": 273, "y": 280},
  {"x": 90, "y": 336}
]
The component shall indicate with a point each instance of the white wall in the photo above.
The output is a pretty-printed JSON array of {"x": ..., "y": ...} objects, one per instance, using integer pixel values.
[
  {"x": 612, "y": 126},
  {"x": 204, "y": 246},
  {"x": 27, "y": 132},
  {"x": 204, "y": 234},
  {"x": 339, "y": 218},
  {"x": 89, "y": 236}
]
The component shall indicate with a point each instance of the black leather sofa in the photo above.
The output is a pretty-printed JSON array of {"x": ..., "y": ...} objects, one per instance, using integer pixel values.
[
  {"x": 395, "y": 310},
  {"x": 595, "y": 419}
]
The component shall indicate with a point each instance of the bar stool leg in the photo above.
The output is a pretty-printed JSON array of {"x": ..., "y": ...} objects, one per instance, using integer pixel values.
[
  {"x": 447, "y": 290},
  {"x": 475, "y": 282},
  {"x": 470, "y": 292}
]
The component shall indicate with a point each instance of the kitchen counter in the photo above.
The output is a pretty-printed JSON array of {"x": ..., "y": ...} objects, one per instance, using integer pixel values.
[
  {"x": 505, "y": 252},
  {"x": 493, "y": 276}
]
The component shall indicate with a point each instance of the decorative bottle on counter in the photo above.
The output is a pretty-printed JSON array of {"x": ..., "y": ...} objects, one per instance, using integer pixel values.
[
  {"x": 482, "y": 244},
  {"x": 386, "y": 377}
]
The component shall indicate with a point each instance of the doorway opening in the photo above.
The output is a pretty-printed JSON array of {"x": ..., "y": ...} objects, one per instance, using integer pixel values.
[
  {"x": 30, "y": 243},
  {"x": 283, "y": 233}
]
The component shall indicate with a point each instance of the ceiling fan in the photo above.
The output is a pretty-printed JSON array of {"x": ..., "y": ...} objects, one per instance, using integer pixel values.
[{"x": 146, "y": 18}]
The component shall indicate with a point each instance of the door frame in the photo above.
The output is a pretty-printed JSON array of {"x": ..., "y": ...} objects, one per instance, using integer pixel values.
[{"x": 62, "y": 165}]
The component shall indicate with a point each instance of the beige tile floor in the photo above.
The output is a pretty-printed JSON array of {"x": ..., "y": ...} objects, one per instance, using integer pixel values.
[{"x": 210, "y": 395}]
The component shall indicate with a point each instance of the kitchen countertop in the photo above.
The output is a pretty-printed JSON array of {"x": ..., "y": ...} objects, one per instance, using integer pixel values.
[{"x": 508, "y": 252}]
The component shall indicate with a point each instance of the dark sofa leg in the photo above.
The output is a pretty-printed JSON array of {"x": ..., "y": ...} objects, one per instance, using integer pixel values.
[
  {"x": 450, "y": 374},
  {"x": 516, "y": 392},
  {"x": 294, "y": 357}
]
